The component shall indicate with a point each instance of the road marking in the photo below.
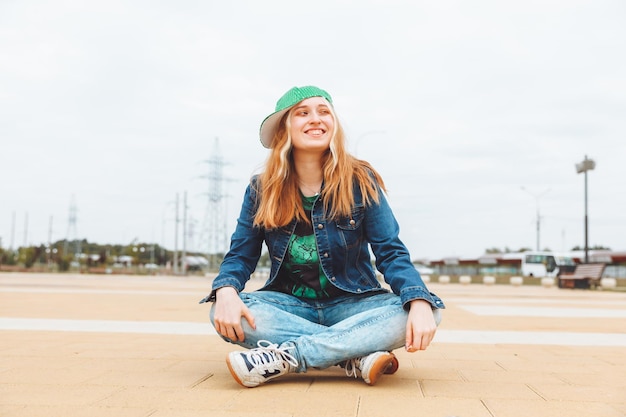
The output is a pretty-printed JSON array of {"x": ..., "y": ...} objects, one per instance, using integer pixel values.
[
  {"x": 99, "y": 291},
  {"x": 206, "y": 329},
  {"x": 530, "y": 311},
  {"x": 530, "y": 338},
  {"x": 108, "y": 326}
]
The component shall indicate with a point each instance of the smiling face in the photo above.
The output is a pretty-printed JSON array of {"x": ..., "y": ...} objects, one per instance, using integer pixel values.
[{"x": 311, "y": 125}]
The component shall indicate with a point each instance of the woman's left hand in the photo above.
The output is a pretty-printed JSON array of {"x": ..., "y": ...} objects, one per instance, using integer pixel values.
[{"x": 420, "y": 326}]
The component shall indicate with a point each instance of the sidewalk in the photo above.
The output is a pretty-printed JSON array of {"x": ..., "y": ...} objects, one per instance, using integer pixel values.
[{"x": 77, "y": 345}]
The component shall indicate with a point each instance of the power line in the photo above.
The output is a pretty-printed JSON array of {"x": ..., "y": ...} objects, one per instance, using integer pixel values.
[
  {"x": 72, "y": 229},
  {"x": 213, "y": 235}
]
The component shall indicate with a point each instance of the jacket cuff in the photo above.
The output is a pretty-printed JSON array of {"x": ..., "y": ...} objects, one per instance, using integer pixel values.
[
  {"x": 420, "y": 293},
  {"x": 225, "y": 282}
]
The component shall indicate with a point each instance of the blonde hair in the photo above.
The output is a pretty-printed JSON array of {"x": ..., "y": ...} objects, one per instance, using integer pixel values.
[{"x": 278, "y": 191}]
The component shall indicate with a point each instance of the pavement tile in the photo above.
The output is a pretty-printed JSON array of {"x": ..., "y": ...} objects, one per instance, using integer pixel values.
[
  {"x": 251, "y": 411},
  {"x": 614, "y": 378},
  {"x": 376, "y": 405},
  {"x": 349, "y": 385},
  {"x": 25, "y": 362},
  {"x": 621, "y": 407},
  {"x": 123, "y": 364},
  {"x": 484, "y": 364},
  {"x": 445, "y": 374},
  {"x": 576, "y": 364},
  {"x": 165, "y": 398},
  {"x": 310, "y": 403},
  {"x": 526, "y": 408},
  {"x": 191, "y": 365},
  {"x": 7, "y": 410},
  {"x": 53, "y": 394},
  {"x": 480, "y": 390},
  {"x": 502, "y": 376},
  {"x": 80, "y": 411},
  {"x": 151, "y": 378},
  {"x": 589, "y": 393},
  {"x": 32, "y": 375}
]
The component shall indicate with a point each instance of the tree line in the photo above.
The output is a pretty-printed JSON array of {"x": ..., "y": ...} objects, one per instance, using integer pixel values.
[{"x": 64, "y": 254}]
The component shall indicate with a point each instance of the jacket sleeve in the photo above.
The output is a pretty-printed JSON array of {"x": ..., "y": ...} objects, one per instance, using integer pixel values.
[
  {"x": 392, "y": 256},
  {"x": 245, "y": 248}
]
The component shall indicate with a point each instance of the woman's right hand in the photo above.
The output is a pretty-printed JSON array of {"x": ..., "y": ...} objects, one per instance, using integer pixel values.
[{"x": 229, "y": 309}]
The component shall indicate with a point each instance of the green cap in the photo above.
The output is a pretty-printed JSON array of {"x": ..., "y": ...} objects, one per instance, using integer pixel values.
[{"x": 287, "y": 101}]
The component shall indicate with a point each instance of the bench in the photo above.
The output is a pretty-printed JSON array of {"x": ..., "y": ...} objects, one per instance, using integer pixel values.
[{"x": 584, "y": 276}]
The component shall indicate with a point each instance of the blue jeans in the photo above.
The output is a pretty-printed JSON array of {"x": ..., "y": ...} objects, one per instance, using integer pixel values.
[{"x": 326, "y": 332}]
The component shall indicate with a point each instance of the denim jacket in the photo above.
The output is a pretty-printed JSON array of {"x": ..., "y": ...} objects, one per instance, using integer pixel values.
[{"x": 342, "y": 246}]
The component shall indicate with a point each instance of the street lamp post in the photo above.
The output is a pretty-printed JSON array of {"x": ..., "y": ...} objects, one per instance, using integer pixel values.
[
  {"x": 176, "y": 237},
  {"x": 583, "y": 167}
]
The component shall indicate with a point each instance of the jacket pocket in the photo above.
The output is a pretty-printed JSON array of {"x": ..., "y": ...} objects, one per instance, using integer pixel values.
[{"x": 350, "y": 227}]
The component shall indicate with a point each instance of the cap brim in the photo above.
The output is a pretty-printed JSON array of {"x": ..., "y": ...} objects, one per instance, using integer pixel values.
[{"x": 269, "y": 126}]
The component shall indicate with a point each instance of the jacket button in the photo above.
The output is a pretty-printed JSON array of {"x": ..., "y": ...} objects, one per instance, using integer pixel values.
[
  {"x": 333, "y": 279},
  {"x": 320, "y": 226},
  {"x": 352, "y": 222},
  {"x": 325, "y": 254}
]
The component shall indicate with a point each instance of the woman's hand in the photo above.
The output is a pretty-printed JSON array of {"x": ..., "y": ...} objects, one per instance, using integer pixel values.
[
  {"x": 229, "y": 309},
  {"x": 420, "y": 326}
]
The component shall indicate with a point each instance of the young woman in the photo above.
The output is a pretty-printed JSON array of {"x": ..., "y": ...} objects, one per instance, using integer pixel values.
[{"x": 319, "y": 210}]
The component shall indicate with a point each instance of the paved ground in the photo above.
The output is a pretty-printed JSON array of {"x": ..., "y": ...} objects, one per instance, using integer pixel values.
[{"x": 129, "y": 346}]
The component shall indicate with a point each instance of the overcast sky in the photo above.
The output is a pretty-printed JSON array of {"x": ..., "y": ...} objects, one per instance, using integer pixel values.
[{"x": 117, "y": 104}]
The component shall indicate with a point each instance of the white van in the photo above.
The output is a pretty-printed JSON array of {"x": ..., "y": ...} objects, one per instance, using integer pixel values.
[{"x": 540, "y": 264}]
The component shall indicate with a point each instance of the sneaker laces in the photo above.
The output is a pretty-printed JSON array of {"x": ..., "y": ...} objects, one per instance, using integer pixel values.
[
  {"x": 268, "y": 355},
  {"x": 352, "y": 366}
]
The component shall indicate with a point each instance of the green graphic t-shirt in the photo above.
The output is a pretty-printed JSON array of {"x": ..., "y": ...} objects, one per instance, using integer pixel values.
[{"x": 301, "y": 272}]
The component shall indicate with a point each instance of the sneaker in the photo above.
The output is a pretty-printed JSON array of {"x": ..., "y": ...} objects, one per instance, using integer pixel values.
[
  {"x": 393, "y": 366},
  {"x": 391, "y": 369},
  {"x": 372, "y": 366},
  {"x": 256, "y": 366}
]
